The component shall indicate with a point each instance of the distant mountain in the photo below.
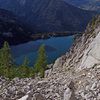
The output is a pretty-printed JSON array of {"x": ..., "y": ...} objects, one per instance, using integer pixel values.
[
  {"x": 49, "y": 15},
  {"x": 11, "y": 29},
  {"x": 86, "y": 4}
]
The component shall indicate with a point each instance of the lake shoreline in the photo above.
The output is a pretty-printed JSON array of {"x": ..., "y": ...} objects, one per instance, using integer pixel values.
[
  {"x": 54, "y": 47},
  {"x": 39, "y": 35}
]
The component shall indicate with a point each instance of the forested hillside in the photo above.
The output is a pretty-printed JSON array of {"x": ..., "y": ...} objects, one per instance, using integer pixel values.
[
  {"x": 11, "y": 29},
  {"x": 48, "y": 15}
]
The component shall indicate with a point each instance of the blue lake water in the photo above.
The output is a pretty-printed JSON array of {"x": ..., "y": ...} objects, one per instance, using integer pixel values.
[{"x": 55, "y": 47}]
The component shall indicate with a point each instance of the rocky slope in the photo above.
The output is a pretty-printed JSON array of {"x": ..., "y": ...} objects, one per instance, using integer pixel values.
[{"x": 73, "y": 76}]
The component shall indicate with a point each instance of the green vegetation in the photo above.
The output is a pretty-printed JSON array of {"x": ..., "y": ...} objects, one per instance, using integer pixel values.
[
  {"x": 95, "y": 65},
  {"x": 93, "y": 23},
  {"x": 93, "y": 20},
  {"x": 9, "y": 70},
  {"x": 87, "y": 31},
  {"x": 94, "y": 35},
  {"x": 41, "y": 62},
  {"x": 25, "y": 68},
  {"x": 6, "y": 61}
]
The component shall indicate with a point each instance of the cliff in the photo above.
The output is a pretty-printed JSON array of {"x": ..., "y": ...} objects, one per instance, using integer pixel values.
[{"x": 73, "y": 76}]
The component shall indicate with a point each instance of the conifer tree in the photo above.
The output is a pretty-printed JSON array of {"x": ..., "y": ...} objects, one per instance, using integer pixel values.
[
  {"x": 41, "y": 62},
  {"x": 93, "y": 20},
  {"x": 25, "y": 68},
  {"x": 6, "y": 60},
  {"x": 1, "y": 64}
]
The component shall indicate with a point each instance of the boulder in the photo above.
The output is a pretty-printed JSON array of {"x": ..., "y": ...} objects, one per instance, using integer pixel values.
[
  {"x": 24, "y": 98},
  {"x": 39, "y": 96},
  {"x": 67, "y": 94}
]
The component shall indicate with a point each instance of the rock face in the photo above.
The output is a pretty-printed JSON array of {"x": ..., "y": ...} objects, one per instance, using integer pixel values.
[
  {"x": 74, "y": 76},
  {"x": 92, "y": 54},
  {"x": 85, "y": 51}
]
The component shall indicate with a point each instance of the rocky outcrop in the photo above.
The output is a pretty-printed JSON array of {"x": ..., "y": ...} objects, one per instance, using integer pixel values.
[
  {"x": 92, "y": 54},
  {"x": 85, "y": 50},
  {"x": 74, "y": 76}
]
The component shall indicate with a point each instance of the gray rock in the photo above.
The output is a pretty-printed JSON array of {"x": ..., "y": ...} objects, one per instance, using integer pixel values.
[
  {"x": 93, "y": 86},
  {"x": 24, "y": 98},
  {"x": 68, "y": 94},
  {"x": 48, "y": 72},
  {"x": 98, "y": 97},
  {"x": 50, "y": 66},
  {"x": 59, "y": 62},
  {"x": 39, "y": 96}
]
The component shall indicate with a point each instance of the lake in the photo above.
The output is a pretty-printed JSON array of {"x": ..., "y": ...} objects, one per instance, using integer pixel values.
[{"x": 55, "y": 47}]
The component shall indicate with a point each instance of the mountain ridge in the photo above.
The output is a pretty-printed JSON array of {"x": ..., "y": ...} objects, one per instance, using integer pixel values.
[
  {"x": 12, "y": 29},
  {"x": 49, "y": 15},
  {"x": 93, "y": 5}
]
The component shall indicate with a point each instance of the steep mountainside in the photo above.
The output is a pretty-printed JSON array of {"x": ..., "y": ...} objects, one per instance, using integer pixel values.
[
  {"x": 11, "y": 29},
  {"x": 49, "y": 15},
  {"x": 86, "y": 4},
  {"x": 73, "y": 76}
]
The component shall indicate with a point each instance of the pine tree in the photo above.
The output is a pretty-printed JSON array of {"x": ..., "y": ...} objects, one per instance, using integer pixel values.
[
  {"x": 1, "y": 64},
  {"x": 25, "y": 68},
  {"x": 6, "y": 60},
  {"x": 41, "y": 62},
  {"x": 93, "y": 20}
]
